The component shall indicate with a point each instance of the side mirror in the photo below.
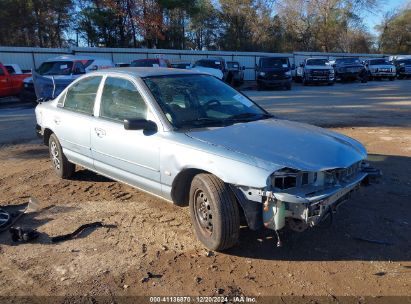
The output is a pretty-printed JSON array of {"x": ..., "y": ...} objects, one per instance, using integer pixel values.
[
  {"x": 302, "y": 64},
  {"x": 140, "y": 124}
]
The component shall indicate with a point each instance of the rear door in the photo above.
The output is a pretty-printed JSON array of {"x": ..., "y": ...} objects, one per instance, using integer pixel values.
[
  {"x": 73, "y": 120},
  {"x": 131, "y": 156}
]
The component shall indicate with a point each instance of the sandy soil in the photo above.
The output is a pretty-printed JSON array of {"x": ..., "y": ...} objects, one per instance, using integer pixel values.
[{"x": 153, "y": 236}]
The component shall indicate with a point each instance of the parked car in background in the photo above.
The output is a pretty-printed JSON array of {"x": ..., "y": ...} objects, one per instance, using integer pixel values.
[
  {"x": 237, "y": 72},
  {"x": 273, "y": 72},
  {"x": 11, "y": 80},
  {"x": 380, "y": 68},
  {"x": 14, "y": 69},
  {"x": 350, "y": 68},
  {"x": 152, "y": 62},
  {"x": 403, "y": 67},
  {"x": 54, "y": 74},
  {"x": 317, "y": 70},
  {"x": 188, "y": 142},
  {"x": 181, "y": 65},
  {"x": 217, "y": 63}
]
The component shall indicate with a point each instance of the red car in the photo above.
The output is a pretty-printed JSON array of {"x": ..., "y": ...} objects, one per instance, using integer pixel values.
[
  {"x": 10, "y": 84},
  {"x": 154, "y": 62}
]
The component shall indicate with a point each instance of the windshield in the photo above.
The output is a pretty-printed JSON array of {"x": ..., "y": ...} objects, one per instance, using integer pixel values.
[
  {"x": 379, "y": 61},
  {"x": 347, "y": 61},
  {"x": 214, "y": 64},
  {"x": 316, "y": 62},
  {"x": 145, "y": 63},
  {"x": 271, "y": 62},
  {"x": 55, "y": 68},
  {"x": 196, "y": 101},
  {"x": 233, "y": 65},
  {"x": 404, "y": 62}
]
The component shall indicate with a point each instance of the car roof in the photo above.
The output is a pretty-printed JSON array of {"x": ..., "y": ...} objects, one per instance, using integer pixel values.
[
  {"x": 148, "y": 71},
  {"x": 147, "y": 59}
]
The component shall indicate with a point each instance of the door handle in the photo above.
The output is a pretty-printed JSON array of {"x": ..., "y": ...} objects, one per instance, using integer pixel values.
[
  {"x": 57, "y": 120},
  {"x": 100, "y": 132}
]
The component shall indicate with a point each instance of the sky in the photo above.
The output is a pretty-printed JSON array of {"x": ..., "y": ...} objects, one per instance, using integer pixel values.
[{"x": 375, "y": 18}]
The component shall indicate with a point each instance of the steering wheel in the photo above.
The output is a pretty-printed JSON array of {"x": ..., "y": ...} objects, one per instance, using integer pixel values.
[{"x": 212, "y": 102}]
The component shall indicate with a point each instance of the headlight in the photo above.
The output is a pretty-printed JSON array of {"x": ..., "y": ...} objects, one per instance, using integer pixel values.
[
  {"x": 262, "y": 74},
  {"x": 26, "y": 85},
  {"x": 289, "y": 178},
  {"x": 288, "y": 73}
]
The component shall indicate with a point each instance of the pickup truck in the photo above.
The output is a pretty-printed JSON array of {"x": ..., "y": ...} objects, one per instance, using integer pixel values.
[
  {"x": 274, "y": 72},
  {"x": 11, "y": 83},
  {"x": 317, "y": 70}
]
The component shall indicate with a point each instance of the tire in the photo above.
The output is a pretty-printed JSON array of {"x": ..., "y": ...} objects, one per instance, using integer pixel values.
[
  {"x": 304, "y": 81},
  {"x": 288, "y": 87},
  {"x": 63, "y": 168},
  {"x": 214, "y": 212},
  {"x": 260, "y": 87}
]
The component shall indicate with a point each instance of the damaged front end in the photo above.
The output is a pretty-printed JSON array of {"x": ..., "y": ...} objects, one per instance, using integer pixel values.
[{"x": 302, "y": 199}]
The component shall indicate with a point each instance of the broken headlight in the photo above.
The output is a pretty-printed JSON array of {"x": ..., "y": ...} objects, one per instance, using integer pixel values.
[{"x": 288, "y": 178}]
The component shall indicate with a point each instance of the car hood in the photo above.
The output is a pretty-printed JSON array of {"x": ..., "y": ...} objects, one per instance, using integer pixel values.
[
  {"x": 317, "y": 67},
  {"x": 349, "y": 65},
  {"x": 48, "y": 87},
  {"x": 285, "y": 143},
  {"x": 275, "y": 70}
]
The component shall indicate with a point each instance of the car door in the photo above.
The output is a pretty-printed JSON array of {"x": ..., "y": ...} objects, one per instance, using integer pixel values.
[
  {"x": 131, "y": 156},
  {"x": 4, "y": 83},
  {"x": 72, "y": 121}
]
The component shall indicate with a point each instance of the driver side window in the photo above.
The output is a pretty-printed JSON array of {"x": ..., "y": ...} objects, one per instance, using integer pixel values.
[{"x": 121, "y": 100}]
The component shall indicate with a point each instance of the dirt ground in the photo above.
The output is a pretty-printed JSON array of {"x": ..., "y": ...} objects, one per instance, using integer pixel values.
[{"x": 153, "y": 251}]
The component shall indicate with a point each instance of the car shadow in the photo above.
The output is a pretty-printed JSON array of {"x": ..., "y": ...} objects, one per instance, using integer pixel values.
[
  {"x": 374, "y": 225},
  {"x": 89, "y": 176}
]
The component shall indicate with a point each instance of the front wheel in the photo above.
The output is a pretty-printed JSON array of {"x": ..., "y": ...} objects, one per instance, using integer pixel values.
[
  {"x": 214, "y": 212},
  {"x": 61, "y": 165}
]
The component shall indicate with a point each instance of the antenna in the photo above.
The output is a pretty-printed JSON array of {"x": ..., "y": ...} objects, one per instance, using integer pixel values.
[{"x": 54, "y": 87}]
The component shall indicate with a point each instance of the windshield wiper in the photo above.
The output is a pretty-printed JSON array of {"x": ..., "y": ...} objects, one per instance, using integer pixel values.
[
  {"x": 249, "y": 116},
  {"x": 203, "y": 121}
]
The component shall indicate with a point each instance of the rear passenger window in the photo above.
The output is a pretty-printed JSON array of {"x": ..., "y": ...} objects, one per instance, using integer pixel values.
[
  {"x": 121, "y": 100},
  {"x": 81, "y": 96}
]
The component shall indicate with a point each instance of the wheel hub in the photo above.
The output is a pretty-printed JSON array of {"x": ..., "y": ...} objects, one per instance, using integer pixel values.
[
  {"x": 203, "y": 212},
  {"x": 55, "y": 155}
]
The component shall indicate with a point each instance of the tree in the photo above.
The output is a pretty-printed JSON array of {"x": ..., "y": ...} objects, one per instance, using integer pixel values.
[
  {"x": 395, "y": 32},
  {"x": 43, "y": 23}
]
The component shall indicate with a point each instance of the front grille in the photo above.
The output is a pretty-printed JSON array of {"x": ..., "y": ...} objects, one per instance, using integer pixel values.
[{"x": 319, "y": 72}]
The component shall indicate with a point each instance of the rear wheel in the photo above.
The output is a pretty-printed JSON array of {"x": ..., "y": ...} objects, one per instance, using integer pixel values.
[
  {"x": 214, "y": 212},
  {"x": 61, "y": 165}
]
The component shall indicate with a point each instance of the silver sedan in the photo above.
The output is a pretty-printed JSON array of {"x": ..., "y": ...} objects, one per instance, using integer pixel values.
[{"x": 193, "y": 140}]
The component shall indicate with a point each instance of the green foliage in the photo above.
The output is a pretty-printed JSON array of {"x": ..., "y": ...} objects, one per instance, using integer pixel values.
[
  {"x": 238, "y": 25},
  {"x": 34, "y": 22}
]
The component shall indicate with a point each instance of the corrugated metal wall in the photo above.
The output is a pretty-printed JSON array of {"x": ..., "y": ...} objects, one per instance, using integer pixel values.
[{"x": 29, "y": 58}]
